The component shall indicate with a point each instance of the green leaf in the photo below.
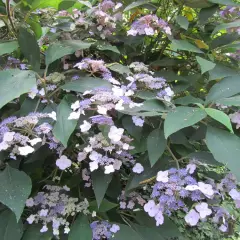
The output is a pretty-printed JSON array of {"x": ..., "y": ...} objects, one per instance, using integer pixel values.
[
  {"x": 204, "y": 157},
  {"x": 184, "y": 45},
  {"x": 14, "y": 83},
  {"x": 232, "y": 101},
  {"x": 225, "y": 26},
  {"x": 86, "y": 84},
  {"x": 225, "y": 2},
  {"x": 227, "y": 87},
  {"x": 183, "y": 22},
  {"x": 38, "y": 4},
  {"x": 168, "y": 230},
  {"x": 119, "y": 68},
  {"x": 125, "y": 233},
  {"x": 64, "y": 127},
  {"x": 221, "y": 71},
  {"x": 107, "y": 47},
  {"x": 33, "y": 232},
  {"x": 14, "y": 189},
  {"x": 156, "y": 144},
  {"x": 80, "y": 229},
  {"x": 188, "y": 100},
  {"x": 205, "y": 64},
  {"x": 9, "y": 228},
  {"x": 220, "y": 117},
  {"x": 61, "y": 49},
  {"x": 29, "y": 47},
  {"x": 147, "y": 233},
  {"x": 131, "y": 128},
  {"x": 185, "y": 116},
  {"x": 224, "y": 40},
  {"x": 225, "y": 148},
  {"x": 100, "y": 183},
  {"x": 135, "y": 4},
  {"x": 206, "y": 13},
  {"x": 8, "y": 47},
  {"x": 104, "y": 207}
]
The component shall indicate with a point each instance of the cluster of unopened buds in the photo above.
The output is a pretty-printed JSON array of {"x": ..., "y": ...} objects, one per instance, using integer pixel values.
[
  {"x": 53, "y": 206},
  {"x": 175, "y": 187},
  {"x": 149, "y": 25}
]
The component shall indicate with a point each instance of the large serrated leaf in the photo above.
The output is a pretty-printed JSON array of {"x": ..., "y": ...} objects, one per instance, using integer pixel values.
[
  {"x": 135, "y": 4},
  {"x": 225, "y": 26},
  {"x": 100, "y": 183},
  {"x": 156, "y": 144},
  {"x": 8, "y": 47},
  {"x": 205, "y": 64},
  {"x": 14, "y": 189},
  {"x": 184, "y": 45},
  {"x": 29, "y": 47},
  {"x": 33, "y": 232},
  {"x": 14, "y": 83},
  {"x": 61, "y": 49},
  {"x": 80, "y": 229},
  {"x": 225, "y": 148},
  {"x": 228, "y": 87},
  {"x": 220, "y": 117},
  {"x": 9, "y": 228},
  {"x": 182, "y": 117},
  {"x": 64, "y": 127},
  {"x": 86, "y": 84}
]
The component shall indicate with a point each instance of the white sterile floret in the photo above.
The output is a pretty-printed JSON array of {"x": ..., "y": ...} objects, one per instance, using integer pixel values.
[
  {"x": 117, "y": 164},
  {"x": 101, "y": 110},
  {"x": 35, "y": 141},
  {"x": 44, "y": 229},
  {"x": 81, "y": 156},
  {"x": 93, "y": 166},
  {"x": 117, "y": 91},
  {"x": 76, "y": 115},
  {"x": 119, "y": 105},
  {"x": 162, "y": 176},
  {"x": 24, "y": 151},
  {"x": 31, "y": 219},
  {"x": 85, "y": 126},
  {"x": 138, "y": 168},
  {"x": 115, "y": 134},
  {"x": 109, "y": 169},
  {"x": 63, "y": 162},
  {"x": 75, "y": 106},
  {"x": 4, "y": 146},
  {"x": 53, "y": 115},
  {"x": 8, "y": 136}
]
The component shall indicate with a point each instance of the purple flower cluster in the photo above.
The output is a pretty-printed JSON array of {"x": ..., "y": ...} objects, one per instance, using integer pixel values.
[
  {"x": 143, "y": 78},
  {"x": 231, "y": 13},
  {"x": 103, "y": 230},
  {"x": 54, "y": 206},
  {"x": 149, "y": 25},
  {"x": 130, "y": 201},
  {"x": 235, "y": 118},
  {"x": 174, "y": 187}
]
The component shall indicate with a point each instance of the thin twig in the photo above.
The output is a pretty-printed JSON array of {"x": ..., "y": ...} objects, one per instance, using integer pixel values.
[{"x": 173, "y": 156}]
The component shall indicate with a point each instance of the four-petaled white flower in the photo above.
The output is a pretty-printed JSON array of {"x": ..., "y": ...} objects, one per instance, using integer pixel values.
[
  {"x": 35, "y": 141},
  {"x": 8, "y": 136},
  {"x": 85, "y": 126},
  {"x": 138, "y": 168},
  {"x": 203, "y": 209},
  {"x": 109, "y": 169},
  {"x": 206, "y": 189},
  {"x": 115, "y": 134},
  {"x": 63, "y": 162},
  {"x": 192, "y": 218},
  {"x": 235, "y": 195},
  {"x": 53, "y": 115},
  {"x": 24, "y": 151},
  {"x": 162, "y": 176},
  {"x": 75, "y": 106},
  {"x": 93, "y": 166},
  {"x": 101, "y": 110}
]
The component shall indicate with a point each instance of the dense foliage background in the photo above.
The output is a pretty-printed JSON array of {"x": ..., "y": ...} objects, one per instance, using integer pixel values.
[{"x": 119, "y": 120}]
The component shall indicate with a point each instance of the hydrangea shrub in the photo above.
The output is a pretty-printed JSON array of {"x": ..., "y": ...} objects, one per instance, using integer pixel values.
[{"x": 119, "y": 119}]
